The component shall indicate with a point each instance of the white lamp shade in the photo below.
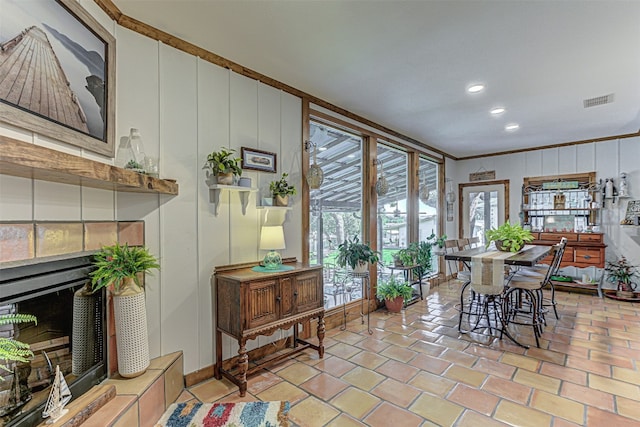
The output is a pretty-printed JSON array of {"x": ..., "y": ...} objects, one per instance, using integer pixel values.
[{"x": 272, "y": 237}]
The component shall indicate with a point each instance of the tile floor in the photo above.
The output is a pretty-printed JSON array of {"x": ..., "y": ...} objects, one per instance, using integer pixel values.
[{"x": 417, "y": 370}]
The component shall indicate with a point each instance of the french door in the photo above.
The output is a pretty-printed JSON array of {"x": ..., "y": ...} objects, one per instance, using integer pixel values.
[{"x": 483, "y": 206}]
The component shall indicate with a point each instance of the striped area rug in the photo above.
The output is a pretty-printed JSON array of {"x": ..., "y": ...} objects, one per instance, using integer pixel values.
[{"x": 242, "y": 414}]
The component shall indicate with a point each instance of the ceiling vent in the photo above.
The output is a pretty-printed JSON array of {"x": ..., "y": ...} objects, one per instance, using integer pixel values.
[{"x": 598, "y": 100}]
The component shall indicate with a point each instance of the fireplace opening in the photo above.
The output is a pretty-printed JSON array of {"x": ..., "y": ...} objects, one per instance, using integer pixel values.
[{"x": 70, "y": 333}]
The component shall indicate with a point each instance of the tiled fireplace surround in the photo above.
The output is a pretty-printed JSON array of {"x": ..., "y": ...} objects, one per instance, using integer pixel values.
[{"x": 139, "y": 401}]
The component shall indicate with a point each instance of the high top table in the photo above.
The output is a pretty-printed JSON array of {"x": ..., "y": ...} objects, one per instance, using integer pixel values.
[{"x": 529, "y": 256}]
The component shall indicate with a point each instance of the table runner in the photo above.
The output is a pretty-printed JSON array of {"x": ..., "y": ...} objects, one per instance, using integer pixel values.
[{"x": 487, "y": 271}]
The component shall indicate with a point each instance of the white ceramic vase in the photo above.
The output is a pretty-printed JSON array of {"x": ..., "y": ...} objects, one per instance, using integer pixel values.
[{"x": 131, "y": 330}]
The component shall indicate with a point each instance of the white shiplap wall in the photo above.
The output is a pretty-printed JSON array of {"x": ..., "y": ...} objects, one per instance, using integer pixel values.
[
  {"x": 185, "y": 108},
  {"x": 608, "y": 159}
]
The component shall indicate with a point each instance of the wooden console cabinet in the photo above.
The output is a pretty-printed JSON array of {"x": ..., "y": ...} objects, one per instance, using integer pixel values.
[
  {"x": 250, "y": 304},
  {"x": 583, "y": 249}
]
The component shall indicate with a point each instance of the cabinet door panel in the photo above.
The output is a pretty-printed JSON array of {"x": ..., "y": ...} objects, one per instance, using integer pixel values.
[
  {"x": 308, "y": 291},
  {"x": 590, "y": 238},
  {"x": 262, "y": 303},
  {"x": 286, "y": 297}
]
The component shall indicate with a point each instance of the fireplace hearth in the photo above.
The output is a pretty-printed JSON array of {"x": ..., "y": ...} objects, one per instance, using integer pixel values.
[{"x": 70, "y": 333}]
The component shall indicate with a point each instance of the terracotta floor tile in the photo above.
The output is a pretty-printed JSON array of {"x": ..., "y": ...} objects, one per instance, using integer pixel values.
[
  {"x": 459, "y": 357},
  {"x": 589, "y": 366},
  {"x": 558, "y": 406},
  {"x": 434, "y": 384},
  {"x": 537, "y": 381},
  {"x": 429, "y": 348},
  {"x": 283, "y": 391},
  {"x": 387, "y": 414},
  {"x": 430, "y": 364},
  {"x": 627, "y": 375},
  {"x": 494, "y": 368},
  {"x": 396, "y": 392},
  {"x": 628, "y": 408},
  {"x": 397, "y": 370},
  {"x": 443, "y": 378},
  {"x": 598, "y": 417},
  {"x": 612, "y": 386},
  {"x": 522, "y": 416},
  {"x": 363, "y": 378},
  {"x": 345, "y": 420},
  {"x": 342, "y": 350},
  {"x": 335, "y": 366},
  {"x": 436, "y": 409},
  {"x": 473, "y": 419},
  {"x": 368, "y": 359},
  {"x": 399, "y": 353},
  {"x": 610, "y": 359},
  {"x": 561, "y": 372},
  {"x": 475, "y": 399},
  {"x": 524, "y": 362},
  {"x": 508, "y": 389},
  {"x": 313, "y": 412},
  {"x": 355, "y": 402},
  {"x": 298, "y": 373},
  {"x": 465, "y": 375},
  {"x": 324, "y": 386}
]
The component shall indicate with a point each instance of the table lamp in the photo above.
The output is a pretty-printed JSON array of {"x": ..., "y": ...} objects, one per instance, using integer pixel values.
[{"x": 271, "y": 239}]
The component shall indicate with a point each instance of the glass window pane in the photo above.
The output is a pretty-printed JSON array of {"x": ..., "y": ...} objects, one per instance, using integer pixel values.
[
  {"x": 335, "y": 208},
  {"x": 428, "y": 203}
]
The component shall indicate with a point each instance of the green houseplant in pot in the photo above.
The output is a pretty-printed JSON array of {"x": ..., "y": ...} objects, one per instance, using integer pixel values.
[
  {"x": 356, "y": 255},
  {"x": 508, "y": 238},
  {"x": 621, "y": 273},
  {"x": 281, "y": 190},
  {"x": 394, "y": 293},
  {"x": 121, "y": 269},
  {"x": 223, "y": 166}
]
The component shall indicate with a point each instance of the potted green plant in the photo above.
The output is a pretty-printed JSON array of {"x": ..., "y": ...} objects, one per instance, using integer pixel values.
[
  {"x": 281, "y": 190},
  {"x": 394, "y": 293},
  {"x": 404, "y": 257},
  {"x": 223, "y": 166},
  {"x": 621, "y": 273},
  {"x": 121, "y": 270},
  {"x": 12, "y": 350},
  {"x": 356, "y": 255},
  {"x": 508, "y": 238},
  {"x": 439, "y": 243}
]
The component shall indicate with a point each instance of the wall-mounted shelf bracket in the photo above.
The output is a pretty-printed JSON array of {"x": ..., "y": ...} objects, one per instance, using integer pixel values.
[{"x": 243, "y": 192}]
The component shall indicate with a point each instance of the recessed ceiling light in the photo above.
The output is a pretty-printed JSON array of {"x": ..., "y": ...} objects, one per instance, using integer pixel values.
[
  {"x": 475, "y": 88},
  {"x": 351, "y": 156},
  {"x": 322, "y": 149},
  {"x": 497, "y": 110},
  {"x": 512, "y": 127}
]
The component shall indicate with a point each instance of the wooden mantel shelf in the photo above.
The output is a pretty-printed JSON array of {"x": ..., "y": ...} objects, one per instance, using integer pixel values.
[{"x": 27, "y": 160}]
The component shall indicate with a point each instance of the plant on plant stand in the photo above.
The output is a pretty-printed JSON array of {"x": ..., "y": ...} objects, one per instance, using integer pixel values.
[
  {"x": 508, "y": 238},
  {"x": 356, "y": 255},
  {"x": 223, "y": 166},
  {"x": 621, "y": 273},
  {"x": 281, "y": 190},
  {"x": 394, "y": 293},
  {"x": 439, "y": 243},
  {"x": 121, "y": 270}
]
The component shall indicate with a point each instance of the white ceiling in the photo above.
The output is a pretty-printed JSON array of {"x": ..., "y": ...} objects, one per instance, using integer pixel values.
[{"x": 406, "y": 64}]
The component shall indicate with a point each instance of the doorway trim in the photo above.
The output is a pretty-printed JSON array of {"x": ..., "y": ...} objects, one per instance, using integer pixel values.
[{"x": 461, "y": 188}]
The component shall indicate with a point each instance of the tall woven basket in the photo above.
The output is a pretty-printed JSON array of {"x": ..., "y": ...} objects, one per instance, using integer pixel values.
[{"x": 131, "y": 330}]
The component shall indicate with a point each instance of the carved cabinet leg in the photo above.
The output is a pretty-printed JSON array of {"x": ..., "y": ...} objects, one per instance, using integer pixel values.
[
  {"x": 243, "y": 365},
  {"x": 321, "y": 335}
]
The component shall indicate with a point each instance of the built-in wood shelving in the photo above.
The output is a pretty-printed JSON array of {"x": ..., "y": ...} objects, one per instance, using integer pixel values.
[{"x": 27, "y": 160}]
